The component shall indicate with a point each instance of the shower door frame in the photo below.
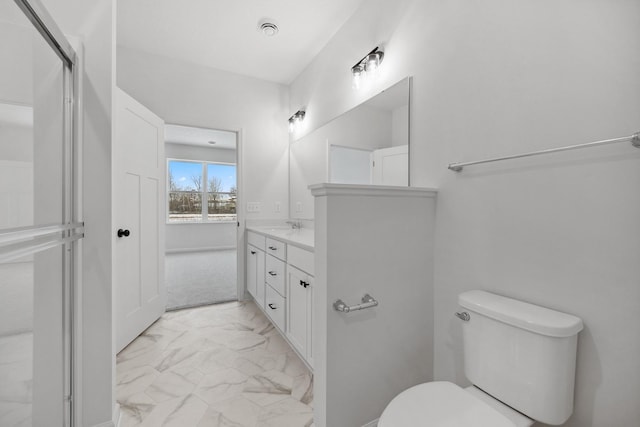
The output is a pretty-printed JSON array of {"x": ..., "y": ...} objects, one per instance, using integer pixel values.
[{"x": 18, "y": 242}]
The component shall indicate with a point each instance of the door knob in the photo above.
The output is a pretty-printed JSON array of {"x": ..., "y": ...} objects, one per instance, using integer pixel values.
[{"x": 123, "y": 233}]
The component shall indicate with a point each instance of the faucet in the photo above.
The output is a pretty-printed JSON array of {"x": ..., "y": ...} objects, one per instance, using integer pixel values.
[{"x": 296, "y": 225}]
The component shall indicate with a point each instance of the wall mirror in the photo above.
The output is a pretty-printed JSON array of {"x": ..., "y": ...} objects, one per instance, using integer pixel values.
[{"x": 366, "y": 145}]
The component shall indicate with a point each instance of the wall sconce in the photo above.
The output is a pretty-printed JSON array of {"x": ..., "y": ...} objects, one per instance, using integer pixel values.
[
  {"x": 367, "y": 66},
  {"x": 295, "y": 121}
]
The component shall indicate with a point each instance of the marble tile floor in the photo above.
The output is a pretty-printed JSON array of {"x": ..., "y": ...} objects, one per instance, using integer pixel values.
[{"x": 213, "y": 366}]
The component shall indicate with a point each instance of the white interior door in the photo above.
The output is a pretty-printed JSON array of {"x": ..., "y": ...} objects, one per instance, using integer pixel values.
[
  {"x": 139, "y": 170},
  {"x": 391, "y": 166}
]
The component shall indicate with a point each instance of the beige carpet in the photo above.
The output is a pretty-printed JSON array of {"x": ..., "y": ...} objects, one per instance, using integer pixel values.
[{"x": 199, "y": 278}]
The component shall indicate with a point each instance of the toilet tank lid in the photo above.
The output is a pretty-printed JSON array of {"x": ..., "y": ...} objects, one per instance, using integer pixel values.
[{"x": 520, "y": 314}]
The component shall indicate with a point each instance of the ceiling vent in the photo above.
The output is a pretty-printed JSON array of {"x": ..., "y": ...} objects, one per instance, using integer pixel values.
[{"x": 269, "y": 29}]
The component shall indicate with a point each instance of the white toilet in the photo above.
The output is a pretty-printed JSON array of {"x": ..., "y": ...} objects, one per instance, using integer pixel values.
[{"x": 520, "y": 359}]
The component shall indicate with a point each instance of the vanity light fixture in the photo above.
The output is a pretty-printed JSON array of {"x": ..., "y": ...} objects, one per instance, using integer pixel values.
[
  {"x": 295, "y": 121},
  {"x": 366, "y": 66}
]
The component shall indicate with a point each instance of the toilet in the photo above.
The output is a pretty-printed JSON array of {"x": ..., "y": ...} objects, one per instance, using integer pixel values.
[{"x": 520, "y": 359}]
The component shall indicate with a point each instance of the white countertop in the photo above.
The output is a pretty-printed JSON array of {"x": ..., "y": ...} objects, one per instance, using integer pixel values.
[{"x": 302, "y": 237}]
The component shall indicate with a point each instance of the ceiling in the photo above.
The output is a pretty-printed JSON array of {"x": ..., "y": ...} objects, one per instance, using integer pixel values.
[
  {"x": 189, "y": 135},
  {"x": 224, "y": 34}
]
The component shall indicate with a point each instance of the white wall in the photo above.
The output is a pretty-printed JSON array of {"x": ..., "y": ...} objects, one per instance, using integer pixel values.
[
  {"x": 192, "y": 152},
  {"x": 498, "y": 77},
  {"x": 193, "y": 95},
  {"x": 92, "y": 22},
  {"x": 180, "y": 237}
]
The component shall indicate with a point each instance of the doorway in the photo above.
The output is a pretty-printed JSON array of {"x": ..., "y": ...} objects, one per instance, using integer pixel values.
[{"x": 201, "y": 217}]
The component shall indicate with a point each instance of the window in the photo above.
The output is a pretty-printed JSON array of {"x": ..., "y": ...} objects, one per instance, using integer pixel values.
[{"x": 201, "y": 191}]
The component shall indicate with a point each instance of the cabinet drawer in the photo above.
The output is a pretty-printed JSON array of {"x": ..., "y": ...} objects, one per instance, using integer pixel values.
[
  {"x": 275, "y": 274},
  {"x": 255, "y": 239},
  {"x": 300, "y": 258},
  {"x": 275, "y": 306},
  {"x": 276, "y": 248}
]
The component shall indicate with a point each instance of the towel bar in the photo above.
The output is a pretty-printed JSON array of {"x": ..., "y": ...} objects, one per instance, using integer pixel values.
[{"x": 367, "y": 302}]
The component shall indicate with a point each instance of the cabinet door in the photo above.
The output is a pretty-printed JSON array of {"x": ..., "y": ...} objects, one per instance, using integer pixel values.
[
  {"x": 298, "y": 310},
  {"x": 310, "y": 288},
  {"x": 260, "y": 281},
  {"x": 255, "y": 274},
  {"x": 252, "y": 270}
]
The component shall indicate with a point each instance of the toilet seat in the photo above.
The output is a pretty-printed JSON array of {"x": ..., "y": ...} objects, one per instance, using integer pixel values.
[{"x": 440, "y": 404}]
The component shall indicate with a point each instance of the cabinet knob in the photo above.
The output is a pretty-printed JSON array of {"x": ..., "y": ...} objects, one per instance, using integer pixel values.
[
  {"x": 253, "y": 252},
  {"x": 273, "y": 248},
  {"x": 272, "y": 307},
  {"x": 273, "y": 273},
  {"x": 123, "y": 233},
  {"x": 305, "y": 284}
]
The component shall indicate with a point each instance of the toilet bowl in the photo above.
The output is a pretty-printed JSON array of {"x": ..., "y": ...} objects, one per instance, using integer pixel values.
[{"x": 444, "y": 404}]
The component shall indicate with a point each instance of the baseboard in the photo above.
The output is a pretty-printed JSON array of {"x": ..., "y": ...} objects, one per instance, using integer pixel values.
[
  {"x": 116, "y": 415},
  {"x": 115, "y": 421},
  {"x": 204, "y": 249},
  {"x": 373, "y": 423}
]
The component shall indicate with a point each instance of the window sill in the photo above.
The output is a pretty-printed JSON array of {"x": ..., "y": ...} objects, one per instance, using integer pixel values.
[{"x": 199, "y": 222}]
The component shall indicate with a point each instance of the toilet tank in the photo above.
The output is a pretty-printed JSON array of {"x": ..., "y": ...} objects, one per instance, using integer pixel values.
[{"x": 521, "y": 354}]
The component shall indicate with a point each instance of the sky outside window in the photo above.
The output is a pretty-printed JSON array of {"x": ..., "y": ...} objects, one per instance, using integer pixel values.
[
  {"x": 183, "y": 174},
  {"x": 225, "y": 173}
]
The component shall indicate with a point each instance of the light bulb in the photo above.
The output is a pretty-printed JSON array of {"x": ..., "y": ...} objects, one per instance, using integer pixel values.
[
  {"x": 358, "y": 75},
  {"x": 372, "y": 62}
]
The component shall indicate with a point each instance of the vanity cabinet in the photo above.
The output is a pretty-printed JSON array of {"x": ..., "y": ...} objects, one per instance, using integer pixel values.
[{"x": 280, "y": 279}]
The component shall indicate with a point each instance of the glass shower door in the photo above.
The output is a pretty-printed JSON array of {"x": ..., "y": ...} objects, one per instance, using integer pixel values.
[{"x": 38, "y": 232}]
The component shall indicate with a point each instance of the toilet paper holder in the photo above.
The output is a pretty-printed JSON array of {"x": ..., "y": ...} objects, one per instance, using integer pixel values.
[{"x": 367, "y": 302}]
